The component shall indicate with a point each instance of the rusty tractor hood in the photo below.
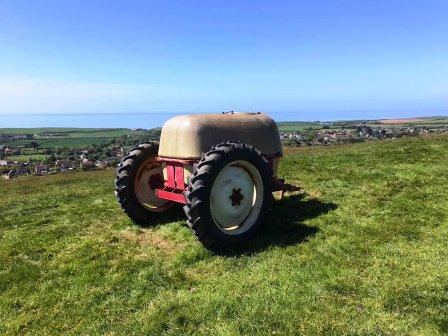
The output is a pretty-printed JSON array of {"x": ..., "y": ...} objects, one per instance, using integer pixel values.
[{"x": 188, "y": 136}]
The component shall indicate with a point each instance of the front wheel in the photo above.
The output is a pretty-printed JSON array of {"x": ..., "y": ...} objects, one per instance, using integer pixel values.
[
  {"x": 229, "y": 195},
  {"x": 137, "y": 178}
]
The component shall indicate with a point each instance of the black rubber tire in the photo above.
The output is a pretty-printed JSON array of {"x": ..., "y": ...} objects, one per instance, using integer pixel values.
[
  {"x": 197, "y": 209},
  {"x": 124, "y": 183}
]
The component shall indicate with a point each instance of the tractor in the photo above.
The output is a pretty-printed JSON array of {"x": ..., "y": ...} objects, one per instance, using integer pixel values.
[{"x": 221, "y": 167}]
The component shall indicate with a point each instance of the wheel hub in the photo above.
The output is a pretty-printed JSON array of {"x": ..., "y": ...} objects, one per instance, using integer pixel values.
[
  {"x": 236, "y": 197},
  {"x": 149, "y": 177},
  {"x": 156, "y": 181}
]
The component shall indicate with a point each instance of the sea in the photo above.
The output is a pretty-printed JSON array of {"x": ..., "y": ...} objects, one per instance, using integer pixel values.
[
  {"x": 103, "y": 120},
  {"x": 152, "y": 120}
]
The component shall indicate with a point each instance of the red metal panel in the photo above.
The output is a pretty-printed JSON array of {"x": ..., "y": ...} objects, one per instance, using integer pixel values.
[
  {"x": 179, "y": 172},
  {"x": 174, "y": 184},
  {"x": 172, "y": 196},
  {"x": 170, "y": 181}
]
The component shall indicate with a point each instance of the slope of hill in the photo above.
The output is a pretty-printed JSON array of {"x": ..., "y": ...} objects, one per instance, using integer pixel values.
[
  {"x": 361, "y": 251},
  {"x": 52, "y": 137}
]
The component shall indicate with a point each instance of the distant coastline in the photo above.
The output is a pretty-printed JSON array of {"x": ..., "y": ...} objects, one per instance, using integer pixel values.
[
  {"x": 152, "y": 120},
  {"x": 94, "y": 120}
]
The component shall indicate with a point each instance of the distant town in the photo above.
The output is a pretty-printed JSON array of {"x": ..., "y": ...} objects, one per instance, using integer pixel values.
[
  {"x": 62, "y": 150},
  {"x": 66, "y": 150},
  {"x": 358, "y": 133}
]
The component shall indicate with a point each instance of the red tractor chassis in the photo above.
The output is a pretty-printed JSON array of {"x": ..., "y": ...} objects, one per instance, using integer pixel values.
[{"x": 174, "y": 185}]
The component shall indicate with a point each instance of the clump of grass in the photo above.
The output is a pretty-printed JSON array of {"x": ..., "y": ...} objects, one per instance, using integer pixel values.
[{"x": 361, "y": 251}]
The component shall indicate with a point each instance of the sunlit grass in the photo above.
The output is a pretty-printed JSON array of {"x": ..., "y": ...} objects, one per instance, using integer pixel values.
[{"x": 361, "y": 251}]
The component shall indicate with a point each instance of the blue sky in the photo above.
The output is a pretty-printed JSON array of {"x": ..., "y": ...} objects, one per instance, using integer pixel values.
[{"x": 325, "y": 59}]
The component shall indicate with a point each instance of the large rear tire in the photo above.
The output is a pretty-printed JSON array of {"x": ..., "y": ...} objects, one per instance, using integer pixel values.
[
  {"x": 138, "y": 176},
  {"x": 229, "y": 195}
]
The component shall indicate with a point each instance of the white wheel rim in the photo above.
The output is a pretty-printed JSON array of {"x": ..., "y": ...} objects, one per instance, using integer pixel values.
[
  {"x": 236, "y": 197},
  {"x": 144, "y": 191}
]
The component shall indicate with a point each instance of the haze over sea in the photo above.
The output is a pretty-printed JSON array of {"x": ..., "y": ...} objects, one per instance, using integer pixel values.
[{"x": 151, "y": 120}]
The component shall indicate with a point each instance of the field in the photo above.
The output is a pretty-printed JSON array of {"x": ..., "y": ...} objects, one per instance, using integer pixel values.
[
  {"x": 297, "y": 126},
  {"x": 69, "y": 132},
  {"x": 389, "y": 123},
  {"x": 67, "y": 137},
  {"x": 440, "y": 121},
  {"x": 361, "y": 251},
  {"x": 26, "y": 157}
]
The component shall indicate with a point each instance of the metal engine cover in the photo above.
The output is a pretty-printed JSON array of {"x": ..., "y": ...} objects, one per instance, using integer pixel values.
[{"x": 188, "y": 136}]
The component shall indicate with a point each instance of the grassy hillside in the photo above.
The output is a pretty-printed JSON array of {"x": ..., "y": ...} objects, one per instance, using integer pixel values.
[
  {"x": 362, "y": 251},
  {"x": 67, "y": 137},
  {"x": 68, "y": 131},
  {"x": 26, "y": 157},
  {"x": 430, "y": 122},
  {"x": 297, "y": 125}
]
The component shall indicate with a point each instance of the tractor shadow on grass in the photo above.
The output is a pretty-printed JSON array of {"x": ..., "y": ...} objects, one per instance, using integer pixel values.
[
  {"x": 284, "y": 226},
  {"x": 175, "y": 214}
]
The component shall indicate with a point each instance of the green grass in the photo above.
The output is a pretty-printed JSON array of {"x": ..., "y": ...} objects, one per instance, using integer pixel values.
[
  {"x": 67, "y": 137},
  {"x": 73, "y": 142},
  {"x": 63, "y": 142},
  {"x": 67, "y": 130},
  {"x": 297, "y": 126},
  {"x": 361, "y": 251},
  {"x": 101, "y": 133},
  {"x": 26, "y": 157},
  {"x": 429, "y": 122}
]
